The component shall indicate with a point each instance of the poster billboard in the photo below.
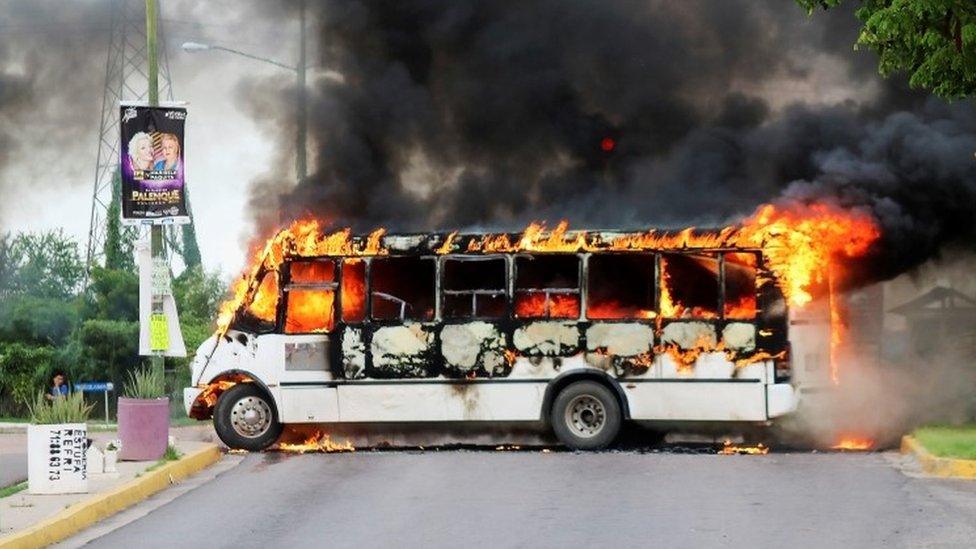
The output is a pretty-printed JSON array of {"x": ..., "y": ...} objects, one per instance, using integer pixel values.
[{"x": 151, "y": 164}]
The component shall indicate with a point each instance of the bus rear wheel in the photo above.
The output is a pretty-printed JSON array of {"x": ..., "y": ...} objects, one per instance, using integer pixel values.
[
  {"x": 586, "y": 416},
  {"x": 245, "y": 418}
]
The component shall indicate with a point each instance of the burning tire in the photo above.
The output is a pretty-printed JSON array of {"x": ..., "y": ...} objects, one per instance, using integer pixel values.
[
  {"x": 586, "y": 416},
  {"x": 245, "y": 418}
]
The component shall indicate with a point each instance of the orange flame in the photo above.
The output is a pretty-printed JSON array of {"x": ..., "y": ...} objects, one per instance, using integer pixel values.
[
  {"x": 854, "y": 442},
  {"x": 804, "y": 246},
  {"x": 536, "y": 305},
  {"x": 302, "y": 239},
  {"x": 318, "y": 442},
  {"x": 729, "y": 449}
]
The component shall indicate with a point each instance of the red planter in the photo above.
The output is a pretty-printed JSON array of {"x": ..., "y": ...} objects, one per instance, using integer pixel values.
[{"x": 143, "y": 428}]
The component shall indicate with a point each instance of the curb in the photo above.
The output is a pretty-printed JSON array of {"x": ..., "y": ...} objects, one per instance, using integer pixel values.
[
  {"x": 87, "y": 512},
  {"x": 938, "y": 466}
]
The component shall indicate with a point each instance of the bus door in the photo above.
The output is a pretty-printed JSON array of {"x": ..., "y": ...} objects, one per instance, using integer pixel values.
[{"x": 308, "y": 323}]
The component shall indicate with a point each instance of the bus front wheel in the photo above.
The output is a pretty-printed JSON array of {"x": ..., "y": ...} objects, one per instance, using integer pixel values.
[
  {"x": 245, "y": 418},
  {"x": 586, "y": 416}
]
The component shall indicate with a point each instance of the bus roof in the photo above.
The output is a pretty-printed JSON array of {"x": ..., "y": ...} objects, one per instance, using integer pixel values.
[{"x": 535, "y": 239}]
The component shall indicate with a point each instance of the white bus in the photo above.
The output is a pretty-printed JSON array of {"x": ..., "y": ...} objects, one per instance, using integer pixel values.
[{"x": 581, "y": 334}]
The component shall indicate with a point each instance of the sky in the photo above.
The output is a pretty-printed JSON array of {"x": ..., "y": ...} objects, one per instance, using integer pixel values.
[
  {"x": 49, "y": 187},
  {"x": 433, "y": 114}
]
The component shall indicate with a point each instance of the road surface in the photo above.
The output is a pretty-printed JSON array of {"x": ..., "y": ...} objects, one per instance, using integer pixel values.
[{"x": 560, "y": 499}]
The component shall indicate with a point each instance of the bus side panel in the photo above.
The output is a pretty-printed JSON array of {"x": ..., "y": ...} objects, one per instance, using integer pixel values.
[
  {"x": 697, "y": 401},
  {"x": 421, "y": 401},
  {"x": 305, "y": 404}
]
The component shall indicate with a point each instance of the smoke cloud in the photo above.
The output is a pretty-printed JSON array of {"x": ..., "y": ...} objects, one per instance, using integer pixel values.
[{"x": 627, "y": 114}]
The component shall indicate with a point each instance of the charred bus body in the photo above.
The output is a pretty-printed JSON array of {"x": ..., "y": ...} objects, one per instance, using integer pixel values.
[{"x": 581, "y": 332}]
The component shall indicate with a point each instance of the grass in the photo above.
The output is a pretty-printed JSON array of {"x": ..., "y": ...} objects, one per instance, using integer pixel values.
[
  {"x": 171, "y": 454},
  {"x": 11, "y": 490},
  {"x": 949, "y": 441}
]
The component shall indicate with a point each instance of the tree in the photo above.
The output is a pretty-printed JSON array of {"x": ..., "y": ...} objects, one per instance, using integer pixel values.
[
  {"x": 114, "y": 295},
  {"x": 42, "y": 264},
  {"x": 23, "y": 372},
  {"x": 108, "y": 349},
  {"x": 118, "y": 239},
  {"x": 933, "y": 41}
]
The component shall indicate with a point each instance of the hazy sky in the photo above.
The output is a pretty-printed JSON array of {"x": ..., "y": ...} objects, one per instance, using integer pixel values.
[{"x": 47, "y": 181}]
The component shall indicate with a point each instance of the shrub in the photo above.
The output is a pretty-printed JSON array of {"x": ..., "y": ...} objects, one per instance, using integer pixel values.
[
  {"x": 67, "y": 409},
  {"x": 23, "y": 368},
  {"x": 146, "y": 383}
]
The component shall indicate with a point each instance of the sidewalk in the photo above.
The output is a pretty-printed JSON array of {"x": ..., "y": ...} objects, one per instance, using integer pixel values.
[
  {"x": 13, "y": 445},
  {"x": 28, "y": 520}
]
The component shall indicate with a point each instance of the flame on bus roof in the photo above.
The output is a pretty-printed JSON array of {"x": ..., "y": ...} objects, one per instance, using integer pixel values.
[{"x": 802, "y": 245}]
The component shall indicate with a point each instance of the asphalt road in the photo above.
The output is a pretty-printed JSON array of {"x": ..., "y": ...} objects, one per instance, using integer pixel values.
[
  {"x": 13, "y": 469},
  {"x": 559, "y": 499}
]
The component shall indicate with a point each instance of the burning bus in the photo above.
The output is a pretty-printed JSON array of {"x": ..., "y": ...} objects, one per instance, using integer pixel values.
[{"x": 577, "y": 330}]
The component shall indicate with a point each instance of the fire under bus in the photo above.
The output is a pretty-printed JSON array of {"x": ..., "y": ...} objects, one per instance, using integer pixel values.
[{"x": 576, "y": 331}]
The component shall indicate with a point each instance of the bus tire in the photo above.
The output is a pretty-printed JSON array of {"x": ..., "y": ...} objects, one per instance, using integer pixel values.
[
  {"x": 586, "y": 416},
  {"x": 245, "y": 418}
]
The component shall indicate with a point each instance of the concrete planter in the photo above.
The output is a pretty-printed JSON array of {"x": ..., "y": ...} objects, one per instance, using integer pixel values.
[
  {"x": 56, "y": 461},
  {"x": 143, "y": 428},
  {"x": 111, "y": 458}
]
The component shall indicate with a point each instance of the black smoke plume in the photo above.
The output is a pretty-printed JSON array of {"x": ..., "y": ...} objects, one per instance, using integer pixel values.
[{"x": 617, "y": 114}]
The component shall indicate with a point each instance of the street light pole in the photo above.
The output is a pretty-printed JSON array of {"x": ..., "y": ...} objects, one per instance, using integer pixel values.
[
  {"x": 301, "y": 122},
  {"x": 301, "y": 148},
  {"x": 156, "y": 232}
]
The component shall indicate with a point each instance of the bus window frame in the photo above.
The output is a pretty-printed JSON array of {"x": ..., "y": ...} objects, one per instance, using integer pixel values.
[
  {"x": 755, "y": 283},
  {"x": 341, "y": 261},
  {"x": 655, "y": 275},
  {"x": 505, "y": 291},
  {"x": 579, "y": 291},
  {"x": 285, "y": 285},
  {"x": 372, "y": 293}
]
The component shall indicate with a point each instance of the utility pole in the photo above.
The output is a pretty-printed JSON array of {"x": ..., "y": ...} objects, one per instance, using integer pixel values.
[
  {"x": 156, "y": 235},
  {"x": 301, "y": 164}
]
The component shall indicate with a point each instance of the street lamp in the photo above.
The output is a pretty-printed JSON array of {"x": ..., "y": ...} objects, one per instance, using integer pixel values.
[{"x": 301, "y": 164}]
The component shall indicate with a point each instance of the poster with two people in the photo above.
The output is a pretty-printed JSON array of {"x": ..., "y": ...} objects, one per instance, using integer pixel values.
[{"x": 151, "y": 163}]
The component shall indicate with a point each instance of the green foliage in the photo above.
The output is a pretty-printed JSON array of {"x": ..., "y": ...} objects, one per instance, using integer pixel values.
[
  {"x": 68, "y": 409},
  {"x": 46, "y": 323},
  {"x": 114, "y": 295},
  {"x": 119, "y": 240},
  {"x": 108, "y": 349},
  {"x": 8, "y": 264},
  {"x": 42, "y": 264},
  {"x": 38, "y": 320},
  {"x": 11, "y": 490},
  {"x": 198, "y": 294},
  {"x": 949, "y": 441},
  {"x": 146, "y": 383},
  {"x": 191, "y": 251},
  {"x": 23, "y": 368},
  {"x": 172, "y": 453},
  {"x": 933, "y": 41}
]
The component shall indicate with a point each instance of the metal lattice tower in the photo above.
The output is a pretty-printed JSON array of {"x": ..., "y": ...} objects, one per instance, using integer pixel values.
[{"x": 126, "y": 79}]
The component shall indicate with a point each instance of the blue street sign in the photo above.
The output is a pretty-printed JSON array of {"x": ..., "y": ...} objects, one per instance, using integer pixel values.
[{"x": 95, "y": 386}]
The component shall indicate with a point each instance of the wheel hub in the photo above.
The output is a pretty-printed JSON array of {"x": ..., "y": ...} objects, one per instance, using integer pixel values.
[
  {"x": 585, "y": 416},
  {"x": 251, "y": 416}
]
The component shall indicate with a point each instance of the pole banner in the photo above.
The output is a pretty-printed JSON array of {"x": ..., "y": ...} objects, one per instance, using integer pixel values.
[{"x": 151, "y": 164}]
